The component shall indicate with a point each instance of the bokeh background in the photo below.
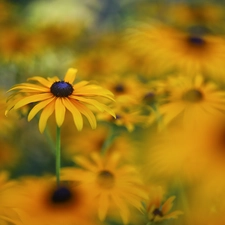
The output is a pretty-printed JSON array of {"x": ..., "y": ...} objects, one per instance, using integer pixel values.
[{"x": 164, "y": 61}]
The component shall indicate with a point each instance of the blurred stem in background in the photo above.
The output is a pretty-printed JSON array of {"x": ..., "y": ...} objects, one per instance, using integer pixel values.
[{"x": 58, "y": 154}]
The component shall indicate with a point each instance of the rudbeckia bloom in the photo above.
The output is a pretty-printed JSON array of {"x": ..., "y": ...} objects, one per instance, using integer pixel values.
[
  {"x": 41, "y": 201},
  {"x": 195, "y": 49},
  {"x": 53, "y": 94},
  {"x": 110, "y": 184},
  {"x": 192, "y": 100},
  {"x": 7, "y": 212},
  {"x": 157, "y": 210}
]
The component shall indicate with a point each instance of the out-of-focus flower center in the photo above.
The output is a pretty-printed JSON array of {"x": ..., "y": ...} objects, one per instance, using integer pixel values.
[
  {"x": 61, "y": 195},
  {"x": 196, "y": 41},
  {"x": 196, "y": 37},
  {"x": 105, "y": 179},
  {"x": 192, "y": 95},
  {"x": 61, "y": 89},
  {"x": 119, "y": 88},
  {"x": 157, "y": 212},
  {"x": 149, "y": 98}
]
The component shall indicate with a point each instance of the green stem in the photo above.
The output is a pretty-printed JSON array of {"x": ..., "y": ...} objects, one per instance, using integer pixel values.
[
  {"x": 58, "y": 154},
  {"x": 113, "y": 133}
]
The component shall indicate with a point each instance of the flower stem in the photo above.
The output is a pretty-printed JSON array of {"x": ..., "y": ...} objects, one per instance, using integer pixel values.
[
  {"x": 113, "y": 133},
  {"x": 58, "y": 154}
]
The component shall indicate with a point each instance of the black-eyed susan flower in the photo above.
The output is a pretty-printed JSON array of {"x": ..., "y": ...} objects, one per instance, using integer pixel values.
[
  {"x": 41, "y": 201},
  {"x": 7, "y": 213},
  {"x": 173, "y": 155},
  {"x": 111, "y": 184},
  {"x": 55, "y": 95},
  {"x": 193, "y": 100},
  {"x": 195, "y": 49},
  {"x": 184, "y": 14},
  {"x": 159, "y": 210},
  {"x": 129, "y": 114}
]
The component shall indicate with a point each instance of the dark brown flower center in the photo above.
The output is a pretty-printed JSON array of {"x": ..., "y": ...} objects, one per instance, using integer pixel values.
[
  {"x": 196, "y": 35},
  {"x": 61, "y": 89},
  {"x": 119, "y": 88},
  {"x": 157, "y": 212},
  {"x": 105, "y": 179},
  {"x": 193, "y": 95},
  {"x": 149, "y": 98},
  {"x": 196, "y": 41},
  {"x": 61, "y": 195}
]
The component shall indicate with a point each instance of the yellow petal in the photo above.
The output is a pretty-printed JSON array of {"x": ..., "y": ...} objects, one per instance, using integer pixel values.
[
  {"x": 29, "y": 87},
  {"x": 101, "y": 107},
  {"x": 60, "y": 111},
  {"x": 77, "y": 118},
  {"x": 124, "y": 212},
  {"x": 46, "y": 113},
  {"x": 42, "y": 81},
  {"x": 70, "y": 75},
  {"x": 85, "y": 163},
  {"x": 80, "y": 84},
  {"x": 33, "y": 98},
  {"x": 167, "y": 205},
  {"x": 103, "y": 206},
  {"x": 38, "y": 107},
  {"x": 86, "y": 112}
]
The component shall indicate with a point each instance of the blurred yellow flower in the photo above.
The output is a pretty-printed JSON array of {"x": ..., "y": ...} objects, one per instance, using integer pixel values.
[
  {"x": 185, "y": 14},
  {"x": 157, "y": 210},
  {"x": 193, "y": 100},
  {"x": 57, "y": 95},
  {"x": 174, "y": 155},
  {"x": 17, "y": 44},
  {"x": 41, "y": 201},
  {"x": 195, "y": 49},
  {"x": 7, "y": 212},
  {"x": 111, "y": 184}
]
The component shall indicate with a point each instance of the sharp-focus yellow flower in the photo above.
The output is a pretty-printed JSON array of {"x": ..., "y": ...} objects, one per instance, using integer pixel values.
[
  {"x": 111, "y": 184},
  {"x": 192, "y": 100},
  {"x": 40, "y": 201},
  {"x": 157, "y": 210},
  {"x": 53, "y": 94}
]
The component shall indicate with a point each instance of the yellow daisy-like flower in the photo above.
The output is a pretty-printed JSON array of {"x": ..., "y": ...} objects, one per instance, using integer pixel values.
[
  {"x": 194, "y": 101},
  {"x": 7, "y": 213},
  {"x": 53, "y": 94},
  {"x": 41, "y": 201},
  {"x": 157, "y": 210},
  {"x": 195, "y": 49},
  {"x": 111, "y": 184}
]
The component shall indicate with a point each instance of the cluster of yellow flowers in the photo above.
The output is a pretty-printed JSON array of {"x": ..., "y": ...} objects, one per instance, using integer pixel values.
[{"x": 134, "y": 133}]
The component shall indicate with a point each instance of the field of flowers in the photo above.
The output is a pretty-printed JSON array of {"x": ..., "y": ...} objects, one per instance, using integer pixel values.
[{"x": 112, "y": 112}]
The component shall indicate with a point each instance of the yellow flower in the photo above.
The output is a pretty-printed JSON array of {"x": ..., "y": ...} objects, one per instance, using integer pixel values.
[
  {"x": 173, "y": 155},
  {"x": 40, "y": 201},
  {"x": 157, "y": 210},
  {"x": 57, "y": 95},
  {"x": 111, "y": 184},
  {"x": 7, "y": 213},
  {"x": 205, "y": 13},
  {"x": 17, "y": 44},
  {"x": 194, "y": 101},
  {"x": 195, "y": 49}
]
